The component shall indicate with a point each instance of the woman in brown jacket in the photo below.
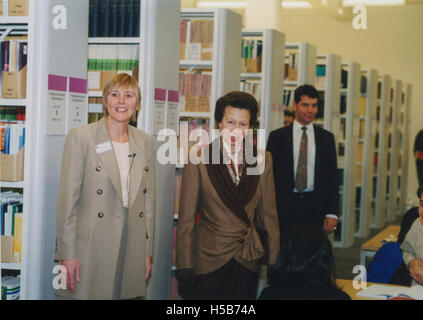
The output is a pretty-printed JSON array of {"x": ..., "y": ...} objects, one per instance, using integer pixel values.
[
  {"x": 219, "y": 257},
  {"x": 105, "y": 213}
]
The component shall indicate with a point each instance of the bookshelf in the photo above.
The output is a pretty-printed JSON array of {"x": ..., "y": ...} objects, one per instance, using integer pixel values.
[
  {"x": 15, "y": 26},
  {"x": 393, "y": 191},
  {"x": 404, "y": 144},
  {"x": 300, "y": 68},
  {"x": 365, "y": 154},
  {"x": 327, "y": 83},
  {"x": 347, "y": 156},
  {"x": 385, "y": 84},
  {"x": 268, "y": 78},
  {"x": 47, "y": 48}
]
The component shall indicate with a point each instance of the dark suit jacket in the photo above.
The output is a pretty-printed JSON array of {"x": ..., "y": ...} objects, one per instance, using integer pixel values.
[{"x": 326, "y": 186}]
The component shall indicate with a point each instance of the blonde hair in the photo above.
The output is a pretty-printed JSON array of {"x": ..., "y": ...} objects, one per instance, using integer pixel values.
[{"x": 121, "y": 80}]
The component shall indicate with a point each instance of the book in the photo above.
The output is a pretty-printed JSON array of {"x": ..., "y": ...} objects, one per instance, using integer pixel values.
[
  {"x": 10, "y": 288},
  {"x": 387, "y": 292},
  {"x": 130, "y": 15},
  {"x": 17, "y": 238}
]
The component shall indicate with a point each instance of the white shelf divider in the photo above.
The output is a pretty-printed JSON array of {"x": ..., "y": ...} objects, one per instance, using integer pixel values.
[
  {"x": 366, "y": 193},
  {"x": 384, "y": 128}
]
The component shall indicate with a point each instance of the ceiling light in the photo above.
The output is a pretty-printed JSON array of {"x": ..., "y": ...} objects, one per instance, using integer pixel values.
[
  {"x": 340, "y": 11},
  {"x": 351, "y": 3},
  {"x": 227, "y": 4},
  {"x": 296, "y": 5},
  {"x": 325, "y": 2}
]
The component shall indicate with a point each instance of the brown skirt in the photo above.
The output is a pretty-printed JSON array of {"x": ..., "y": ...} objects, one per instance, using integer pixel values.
[{"x": 232, "y": 281}]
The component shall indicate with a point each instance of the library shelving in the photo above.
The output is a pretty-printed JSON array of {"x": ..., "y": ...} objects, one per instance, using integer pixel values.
[
  {"x": 11, "y": 241},
  {"x": 328, "y": 83},
  {"x": 393, "y": 196},
  {"x": 300, "y": 68},
  {"x": 347, "y": 155},
  {"x": 47, "y": 49},
  {"x": 264, "y": 76},
  {"x": 365, "y": 151},
  {"x": 209, "y": 67},
  {"x": 404, "y": 144},
  {"x": 384, "y": 86}
]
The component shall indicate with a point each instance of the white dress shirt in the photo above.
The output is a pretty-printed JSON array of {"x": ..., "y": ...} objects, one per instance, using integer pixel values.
[
  {"x": 311, "y": 155},
  {"x": 122, "y": 152}
]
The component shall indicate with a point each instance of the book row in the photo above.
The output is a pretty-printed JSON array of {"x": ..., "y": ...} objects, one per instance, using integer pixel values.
[
  {"x": 104, "y": 61},
  {"x": 10, "y": 288},
  {"x": 251, "y": 55},
  {"x": 12, "y": 113},
  {"x": 194, "y": 91},
  {"x": 196, "y": 40},
  {"x": 114, "y": 18},
  {"x": 14, "y": 8},
  {"x": 11, "y": 224},
  {"x": 12, "y": 137}
]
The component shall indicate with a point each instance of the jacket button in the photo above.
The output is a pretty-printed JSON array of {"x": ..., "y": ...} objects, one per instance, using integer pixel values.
[
  {"x": 241, "y": 241},
  {"x": 145, "y": 190},
  {"x": 146, "y": 168},
  {"x": 100, "y": 214},
  {"x": 243, "y": 232},
  {"x": 99, "y": 191},
  {"x": 98, "y": 168},
  {"x": 141, "y": 214}
]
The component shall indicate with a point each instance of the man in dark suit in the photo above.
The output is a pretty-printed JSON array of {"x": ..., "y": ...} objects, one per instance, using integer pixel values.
[{"x": 305, "y": 168}]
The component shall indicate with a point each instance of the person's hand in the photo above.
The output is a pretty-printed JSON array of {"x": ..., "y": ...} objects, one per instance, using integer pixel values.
[
  {"x": 148, "y": 267},
  {"x": 416, "y": 270},
  {"x": 329, "y": 225},
  {"x": 186, "y": 282},
  {"x": 72, "y": 271}
]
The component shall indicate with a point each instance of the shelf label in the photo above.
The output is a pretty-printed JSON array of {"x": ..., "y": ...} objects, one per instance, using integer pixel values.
[
  {"x": 56, "y": 108},
  {"x": 77, "y": 103},
  {"x": 159, "y": 110},
  {"x": 172, "y": 120}
]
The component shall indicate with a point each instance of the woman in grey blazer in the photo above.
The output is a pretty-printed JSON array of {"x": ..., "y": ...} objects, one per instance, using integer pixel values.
[{"x": 106, "y": 202}]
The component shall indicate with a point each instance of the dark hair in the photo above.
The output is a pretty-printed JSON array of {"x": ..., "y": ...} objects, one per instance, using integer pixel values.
[
  {"x": 240, "y": 100},
  {"x": 305, "y": 90},
  {"x": 305, "y": 261},
  {"x": 288, "y": 113},
  {"x": 419, "y": 191}
]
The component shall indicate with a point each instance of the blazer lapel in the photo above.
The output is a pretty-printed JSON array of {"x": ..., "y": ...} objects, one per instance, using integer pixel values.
[
  {"x": 317, "y": 162},
  {"x": 290, "y": 148},
  {"x": 136, "y": 165},
  {"x": 108, "y": 157}
]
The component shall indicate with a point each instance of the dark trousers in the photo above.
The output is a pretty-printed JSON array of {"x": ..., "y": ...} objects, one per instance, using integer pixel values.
[
  {"x": 232, "y": 281},
  {"x": 301, "y": 209}
]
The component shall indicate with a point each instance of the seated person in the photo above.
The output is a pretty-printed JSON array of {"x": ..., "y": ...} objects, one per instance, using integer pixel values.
[
  {"x": 412, "y": 247},
  {"x": 401, "y": 275},
  {"x": 305, "y": 268}
]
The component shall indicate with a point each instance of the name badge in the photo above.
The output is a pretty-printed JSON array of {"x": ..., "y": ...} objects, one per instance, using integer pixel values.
[{"x": 103, "y": 147}]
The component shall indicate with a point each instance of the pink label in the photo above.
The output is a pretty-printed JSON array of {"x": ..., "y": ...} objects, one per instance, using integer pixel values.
[
  {"x": 57, "y": 83},
  {"x": 78, "y": 85},
  {"x": 173, "y": 96},
  {"x": 160, "y": 94}
]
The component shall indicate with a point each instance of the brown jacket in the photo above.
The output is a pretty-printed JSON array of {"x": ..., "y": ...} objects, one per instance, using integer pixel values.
[
  {"x": 90, "y": 211},
  {"x": 220, "y": 235}
]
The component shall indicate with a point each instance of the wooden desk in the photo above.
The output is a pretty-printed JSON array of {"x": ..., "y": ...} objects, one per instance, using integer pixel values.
[
  {"x": 369, "y": 248},
  {"x": 348, "y": 288}
]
